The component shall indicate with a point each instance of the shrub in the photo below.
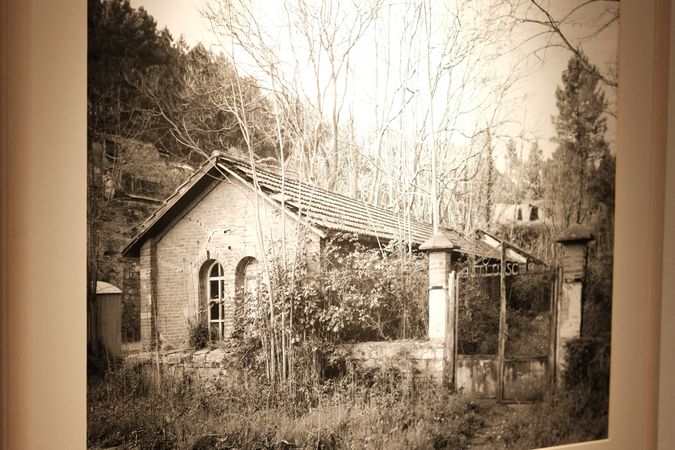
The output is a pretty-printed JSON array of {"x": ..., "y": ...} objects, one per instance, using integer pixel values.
[
  {"x": 131, "y": 322},
  {"x": 587, "y": 373},
  {"x": 576, "y": 412},
  {"x": 290, "y": 324},
  {"x": 597, "y": 312},
  {"x": 199, "y": 335},
  {"x": 372, "y": 293},
  {"x": 557, "y": 420}
]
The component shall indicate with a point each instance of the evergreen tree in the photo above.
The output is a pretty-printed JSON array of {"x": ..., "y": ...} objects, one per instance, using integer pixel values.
[
  {"x": 580, "y": 127},
  {"x": 601, "y": 188},
  {"x": 512, "y": 160},
  {"x": 121, "y": 41},
  {"x": 533, "y": 172}
]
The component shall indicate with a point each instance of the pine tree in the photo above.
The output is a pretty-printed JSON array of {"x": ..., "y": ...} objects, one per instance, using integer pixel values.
[
  {"x": 533, "y": 172},
  {"x": 581, "y": 128},
  {"x": 121, "y": 41}
]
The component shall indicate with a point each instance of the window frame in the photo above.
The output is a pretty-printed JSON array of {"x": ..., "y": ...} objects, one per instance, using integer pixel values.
[{"x": 217, "y": 323}]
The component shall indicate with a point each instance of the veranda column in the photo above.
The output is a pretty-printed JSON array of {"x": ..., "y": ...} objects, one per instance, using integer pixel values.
[
  {"x": 441, "y": 298},
  {"x": 574, "y": 242}
]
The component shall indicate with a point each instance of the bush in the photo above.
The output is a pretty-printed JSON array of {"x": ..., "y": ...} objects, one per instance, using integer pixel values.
[
  {"x": 587, "y": 373},
  {"x": 199, "y": 335},
  {"x": 289, "y": 325},
  {"x": 597, "y": 321},
  {"x": 366, "y": 294},
  {"x": 131, "y": 322},
  {"x": 576, "y": 412}
]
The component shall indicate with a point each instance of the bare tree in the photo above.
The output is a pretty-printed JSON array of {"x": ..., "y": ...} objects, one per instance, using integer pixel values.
[
  {"x": 386, "y": 102},
  {"x": 571, "y": 25},
  {"x": 428, "y": 122}
]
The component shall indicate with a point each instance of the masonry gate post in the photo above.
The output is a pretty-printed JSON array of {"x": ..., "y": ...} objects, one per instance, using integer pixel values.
[
  {"x": 574, "y": 242},
  {"x": 441, "y": 299}
]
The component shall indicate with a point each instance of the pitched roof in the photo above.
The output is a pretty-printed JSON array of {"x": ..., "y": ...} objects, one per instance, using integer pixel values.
[
  {"x": 320, "y": 208},
  {"x": 513, "y": 252},
  {"x": 103, "y": 288},
  {"x": 576, "y": 233}
]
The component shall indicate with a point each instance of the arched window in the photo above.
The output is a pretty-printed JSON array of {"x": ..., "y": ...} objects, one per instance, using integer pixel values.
[
  {"x": 215, "y": 295},
  {"x": 246, "y": 279},
  {"x": 251, "y": 277}
]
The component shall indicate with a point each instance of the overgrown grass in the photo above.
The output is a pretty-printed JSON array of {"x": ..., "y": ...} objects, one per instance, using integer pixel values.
[
  {"x": 371, "y": 409},
  {"x": 380, "y": 408},
  {"x": 561, "y": 418},
  {"x": 577, "y": 411}
]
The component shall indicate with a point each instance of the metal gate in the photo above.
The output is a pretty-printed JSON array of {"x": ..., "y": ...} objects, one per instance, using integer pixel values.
[{"x": 504, "y": 324}]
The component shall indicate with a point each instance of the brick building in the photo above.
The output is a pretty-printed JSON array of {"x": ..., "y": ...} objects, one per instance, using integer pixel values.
[{"x": 208, "y": 240}]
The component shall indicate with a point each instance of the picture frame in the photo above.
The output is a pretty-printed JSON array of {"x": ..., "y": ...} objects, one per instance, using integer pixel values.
[{"x": 43, "y": 246}]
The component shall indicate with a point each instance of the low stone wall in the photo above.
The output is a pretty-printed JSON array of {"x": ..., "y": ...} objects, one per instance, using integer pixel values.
[
  {"x": 525, "y": 379},
  {"x": 416, "y": 358},
  {"x": 206, "y": 363}
]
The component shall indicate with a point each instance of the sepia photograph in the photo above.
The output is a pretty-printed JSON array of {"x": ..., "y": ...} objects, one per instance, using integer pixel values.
[{"x": 327, "y": 224}]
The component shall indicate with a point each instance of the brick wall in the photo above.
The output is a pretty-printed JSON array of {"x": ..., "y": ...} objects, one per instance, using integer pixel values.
[
  {"x": 222, "y": 226},
  {"x": 147, "y": 268},
  {"x": 131, "y": 285}
]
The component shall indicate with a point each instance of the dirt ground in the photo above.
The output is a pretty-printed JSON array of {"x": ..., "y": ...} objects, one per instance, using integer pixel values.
[{"x": 495, "y": 416}]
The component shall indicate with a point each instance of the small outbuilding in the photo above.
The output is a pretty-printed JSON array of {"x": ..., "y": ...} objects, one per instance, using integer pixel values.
[{"x": 108, "y": 318}]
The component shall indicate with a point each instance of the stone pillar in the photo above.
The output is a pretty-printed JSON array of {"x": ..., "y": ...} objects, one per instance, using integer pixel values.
[
  {"x": 574, "y": 242},
  {"x": 441, "y": 298},
  {"x": 148, "y": 294}
]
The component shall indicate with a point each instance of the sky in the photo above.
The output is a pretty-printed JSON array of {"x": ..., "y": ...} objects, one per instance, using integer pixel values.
[{"x": 530, "y": 103}]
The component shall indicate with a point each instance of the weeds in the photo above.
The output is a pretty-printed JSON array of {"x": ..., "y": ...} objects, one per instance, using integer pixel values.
[
  {"x": 575, "y": 412},
  {"x": 364, "y": 409}
]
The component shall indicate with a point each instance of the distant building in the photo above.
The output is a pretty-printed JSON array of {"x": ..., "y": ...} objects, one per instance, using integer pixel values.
[{"x": 519, "y": 213}]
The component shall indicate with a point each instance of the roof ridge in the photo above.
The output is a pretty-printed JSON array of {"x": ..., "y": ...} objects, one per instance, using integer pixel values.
[{"x": 273, "y": 171}]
